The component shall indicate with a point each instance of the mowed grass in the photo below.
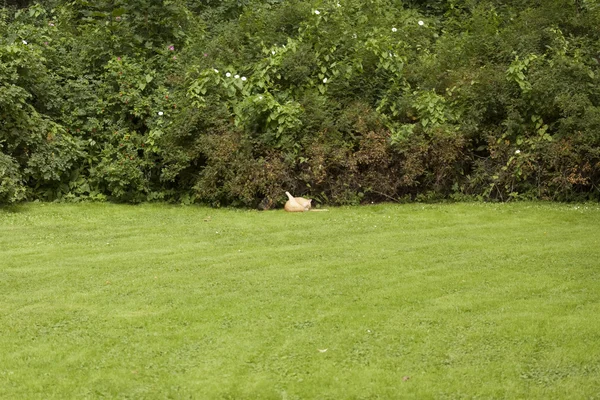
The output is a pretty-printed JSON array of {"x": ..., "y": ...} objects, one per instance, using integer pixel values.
[{"x": 385, "y": 301}]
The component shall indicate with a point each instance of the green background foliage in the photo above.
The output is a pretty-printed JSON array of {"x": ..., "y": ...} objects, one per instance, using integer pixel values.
[{"x": 234, "y": 102}]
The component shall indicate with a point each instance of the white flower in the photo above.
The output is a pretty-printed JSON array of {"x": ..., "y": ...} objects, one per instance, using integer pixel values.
[
  {"x": 260, "y": 97},
  {"x": 237, "y": 77},
  {"x": 273, "y": 52},
  {"x": 317, "y": 12},
  {"x": 216, "y": 70},
  {"x": 228, "y": 74},
  {"x": 354, "y": 36},
  {"x": 394, "y": 29},
  {"x": 517, "y": 151},
  {"x": 338, "y": 4},
  {"x": 24, "y": 41},
  {"x": 391, "y": 55},
  {"x": 421, "y": 23},
  {"x": 160, "y": 113},
  {"x": 324, "y": 80},
  {"x": 243, "y": 78}
]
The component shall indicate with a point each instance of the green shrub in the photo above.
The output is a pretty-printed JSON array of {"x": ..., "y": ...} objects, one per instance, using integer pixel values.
[
  {"x": 234, "y": 102},
  {"x": 11, "y": 182}
]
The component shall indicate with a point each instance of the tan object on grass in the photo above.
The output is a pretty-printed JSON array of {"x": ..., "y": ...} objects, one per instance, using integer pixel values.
[{"x": 298, "y": 204}]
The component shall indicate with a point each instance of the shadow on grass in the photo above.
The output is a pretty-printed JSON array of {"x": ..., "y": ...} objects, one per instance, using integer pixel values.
[{"x": 12, "y": 208}]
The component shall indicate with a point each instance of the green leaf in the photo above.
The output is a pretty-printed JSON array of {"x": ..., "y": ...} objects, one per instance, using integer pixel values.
[{"x": 118, "y": 12}]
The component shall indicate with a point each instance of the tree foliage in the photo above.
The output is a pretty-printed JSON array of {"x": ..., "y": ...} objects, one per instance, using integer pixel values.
[{"x": 234, "y": 102}]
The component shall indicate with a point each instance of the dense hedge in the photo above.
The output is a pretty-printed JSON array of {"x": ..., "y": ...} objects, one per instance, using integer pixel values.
[{"x": 233, "y": 102}]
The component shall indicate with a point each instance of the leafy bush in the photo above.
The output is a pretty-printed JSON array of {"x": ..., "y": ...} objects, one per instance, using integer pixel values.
[
  {"x": 234, "y": 102},
  {"x": 11, "y": 185}
]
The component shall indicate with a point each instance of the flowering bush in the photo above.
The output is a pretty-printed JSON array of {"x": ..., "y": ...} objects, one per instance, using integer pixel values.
[{"x": 233, "y": 102}]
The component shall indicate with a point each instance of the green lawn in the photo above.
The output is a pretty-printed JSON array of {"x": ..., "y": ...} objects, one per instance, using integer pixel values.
[{"x": 386, "y": 301}]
